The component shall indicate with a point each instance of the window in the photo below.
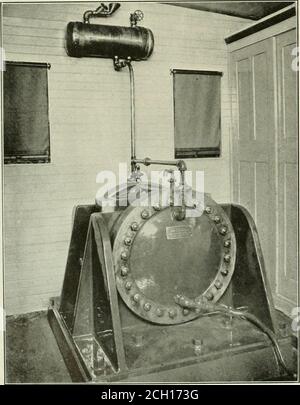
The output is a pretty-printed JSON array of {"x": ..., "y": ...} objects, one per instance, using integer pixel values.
[
  {"x": 197, "y": 113},
  {"x": 26, "y": 121}
]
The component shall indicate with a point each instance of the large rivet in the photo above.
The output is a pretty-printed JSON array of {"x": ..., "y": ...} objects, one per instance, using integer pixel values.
[
  {"x": 127, "y": 241},
  {"x": 124, "y": 271},
  {"x": 128, "y": 285},
  {"x": 223, "y": 230},
  {"x": 224, "y": 272},
  {"x": 227, "y": 243},
  {"x": 124, "y": 255},
  {"x": 157, "y": 207},
  {"x": 217, "y": 219},
  {"x": 209, "y": 296},
  {"x": 218, "y": 284},
  {"x": 185, "y": 311},
  {"x": 134, "y": 226},
  {"x": 159, "y": 312},
  {"x": 147, "y": 306},
  {"x": 227, "y": 258},
  {"x": 136, "y": 297},
  {"x": 207, "y": 210},
  {"x": 172, "y": 313},
  {"x": 145, "y": 214}
]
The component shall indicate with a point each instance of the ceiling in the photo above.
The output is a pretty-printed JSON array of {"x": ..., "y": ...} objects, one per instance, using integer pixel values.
[{"x": 253, "y": 10}]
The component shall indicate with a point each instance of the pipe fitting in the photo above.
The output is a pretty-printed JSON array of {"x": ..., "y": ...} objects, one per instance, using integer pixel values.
[{"x": 103, "y": 10}]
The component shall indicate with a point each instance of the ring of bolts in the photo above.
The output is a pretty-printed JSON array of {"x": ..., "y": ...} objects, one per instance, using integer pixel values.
[{"x": 128, "y": 285}]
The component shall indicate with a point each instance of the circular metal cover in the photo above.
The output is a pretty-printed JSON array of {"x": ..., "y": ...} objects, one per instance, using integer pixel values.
[{"x": 157, "y": 257}]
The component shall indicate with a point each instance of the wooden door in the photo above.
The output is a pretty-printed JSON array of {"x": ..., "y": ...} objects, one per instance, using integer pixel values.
[
  {"x": 253, "y": 149},
  {"x": 286, "y": 276}
]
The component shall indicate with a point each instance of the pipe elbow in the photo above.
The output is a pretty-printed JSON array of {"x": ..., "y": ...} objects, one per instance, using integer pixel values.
[
  {"x": 87, "y": 15},
  {"x": 181, "y": 165}
]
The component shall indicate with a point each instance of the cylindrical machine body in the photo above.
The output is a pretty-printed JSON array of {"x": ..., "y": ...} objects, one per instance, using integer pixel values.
[
  {"x": 157, "y": 257},
  {"x": 108, "y": 41}
]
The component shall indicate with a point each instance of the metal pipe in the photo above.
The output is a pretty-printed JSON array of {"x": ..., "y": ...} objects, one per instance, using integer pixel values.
[
  {"x": 179, "y": 212},
  {"x": 132, "y": 113},
  {"x": 102, "y": 11},
  {"x": 147, "y": 162}
]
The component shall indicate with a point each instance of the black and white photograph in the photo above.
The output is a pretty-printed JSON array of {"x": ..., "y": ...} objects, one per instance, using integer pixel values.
[{"x": 150, "y": 185}]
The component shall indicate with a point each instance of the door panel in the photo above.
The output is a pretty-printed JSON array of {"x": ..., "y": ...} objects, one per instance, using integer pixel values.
[
  {"x": 254, "y": 142},
  {"x": 265, "y": 160},
  {"x": 245, "y": 95},
  {"x": 287, "y": 171},
  {"x": 260, "y": 73},
  {"x": 287, "y": 81}
]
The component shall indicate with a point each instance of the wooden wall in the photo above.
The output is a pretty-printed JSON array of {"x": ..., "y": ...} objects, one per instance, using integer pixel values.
[{"x": 90, "y": 128}]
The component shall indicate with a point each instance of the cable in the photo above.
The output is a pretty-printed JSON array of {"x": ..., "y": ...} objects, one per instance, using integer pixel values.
[
  {"x": 203, "y": 306},
  {"x": 267, "y": 331}
]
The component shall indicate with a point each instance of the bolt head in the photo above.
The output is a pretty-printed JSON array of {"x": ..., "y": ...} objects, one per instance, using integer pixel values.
[
  {"x": 224, "y": 272},
  {"x": 172, "y": 313},
  {"x": 217, "y": 219},
  {"x": 147, "y": 306},
  {"x": 159, "y": 312},
  {"x": 218, "y": 284},
  {"x": 209, "y": 296},
  {"x": 198, "y": 342},
  {"x": 145, "y": 214},
  {"x": 127, "y": 241},
  {"x": 136, "y": 297},
  {"x": 227, "y": 243},
  {"x": 207, "y": 210},
  {"x": 124, "y": 255},
  {"x": 128, "y": 285},
  {"x": 138, "y": 340},
  {"x": 223, "y": 230},
  {"x": 134, "y": 226},
  {"x": 185, "y": 311},
  {"x": 124, "y": 271},
  {"x": 227, "y": 258}
]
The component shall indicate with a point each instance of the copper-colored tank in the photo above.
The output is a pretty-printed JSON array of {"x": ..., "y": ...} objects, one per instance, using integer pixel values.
[{"x": 108, "y": 41}]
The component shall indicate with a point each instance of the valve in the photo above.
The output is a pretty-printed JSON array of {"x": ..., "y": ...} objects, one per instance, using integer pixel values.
[{"x": 138, "y": 15}]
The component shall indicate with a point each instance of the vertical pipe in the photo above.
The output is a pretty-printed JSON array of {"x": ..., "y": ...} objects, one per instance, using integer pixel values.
[{"x": 132, "y": 110}]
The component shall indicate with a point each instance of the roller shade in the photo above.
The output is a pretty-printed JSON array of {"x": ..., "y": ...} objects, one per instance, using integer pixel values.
[
  {"x": 197, "y": 113},
  {"x": 26, "y": 121}
]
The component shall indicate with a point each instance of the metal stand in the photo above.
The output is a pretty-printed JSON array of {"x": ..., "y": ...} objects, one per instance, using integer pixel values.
[{"x": 102, "y": 340}]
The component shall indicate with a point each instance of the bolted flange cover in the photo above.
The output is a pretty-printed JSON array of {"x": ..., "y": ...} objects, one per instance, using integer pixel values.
[{"x": 158, "y": 258}]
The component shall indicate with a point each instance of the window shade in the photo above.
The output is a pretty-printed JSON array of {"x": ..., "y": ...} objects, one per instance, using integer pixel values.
[
  {"x": 197, "y": 113},
  {"x": 26, "y": 124}
]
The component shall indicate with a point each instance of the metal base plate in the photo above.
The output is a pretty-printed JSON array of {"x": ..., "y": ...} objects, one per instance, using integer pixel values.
[{"x": 246, "y": 361}]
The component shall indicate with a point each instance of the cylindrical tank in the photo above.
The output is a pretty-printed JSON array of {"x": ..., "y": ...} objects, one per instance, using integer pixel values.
[
  {"x": 108, "y": 41},
  {"x": 157, "y": 257}
]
